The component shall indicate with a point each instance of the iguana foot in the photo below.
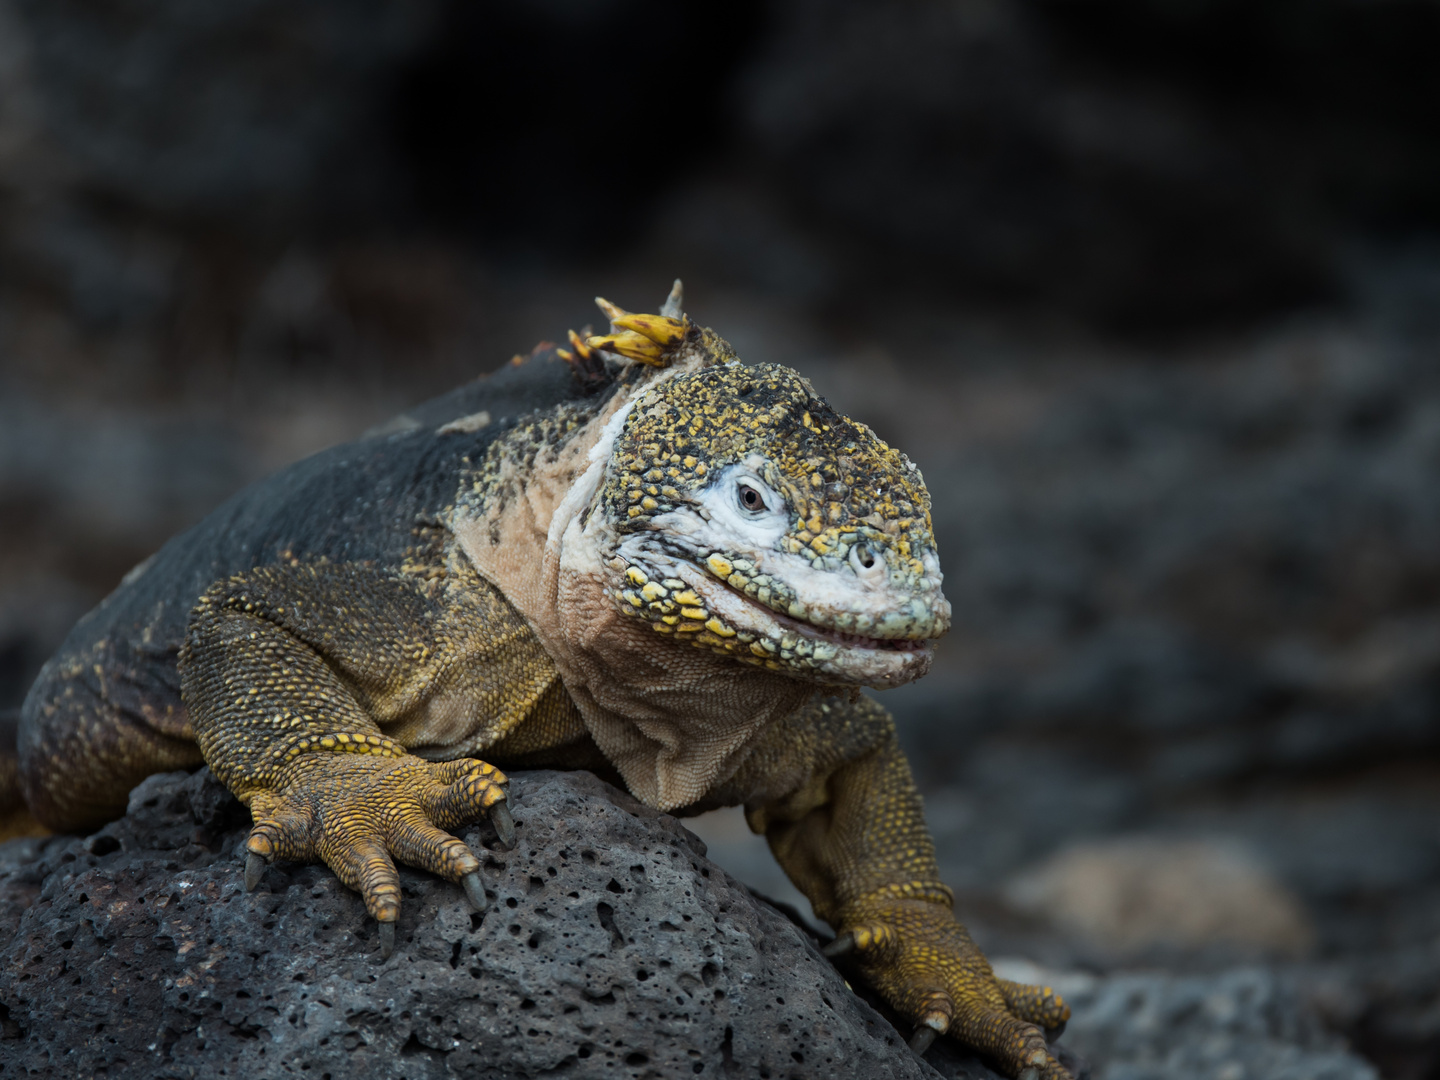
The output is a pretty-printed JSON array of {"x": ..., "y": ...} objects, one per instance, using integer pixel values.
[
  {"x": 923, "y": 962},
  {"x": 358, "y": 813}
]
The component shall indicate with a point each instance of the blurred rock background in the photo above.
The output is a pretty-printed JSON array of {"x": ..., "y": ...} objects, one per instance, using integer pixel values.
[{"x": 1149, "y": 288}]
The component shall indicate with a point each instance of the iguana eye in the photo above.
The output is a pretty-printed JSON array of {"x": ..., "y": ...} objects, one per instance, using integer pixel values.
[{"x": 750, "y": 499}]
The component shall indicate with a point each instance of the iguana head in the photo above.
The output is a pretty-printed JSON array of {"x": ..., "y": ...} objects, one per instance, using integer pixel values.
[{"x": 745, "y": 516}]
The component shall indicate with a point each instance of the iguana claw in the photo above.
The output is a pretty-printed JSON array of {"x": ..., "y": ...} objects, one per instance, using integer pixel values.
[
  {"x": 923, "y": 1037},
  {"x": 254, "y": 870},
  {"x": 474, "y": 891},
  {"x": 843, "y": 945},
  {"x": 387, "y": 939},
  {"x": 504, "y": 824}
]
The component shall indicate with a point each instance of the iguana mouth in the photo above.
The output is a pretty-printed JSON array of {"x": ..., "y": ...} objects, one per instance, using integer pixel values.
[
  {"x": 689, "y": 601},
  {"x": 826, "y": 633}
]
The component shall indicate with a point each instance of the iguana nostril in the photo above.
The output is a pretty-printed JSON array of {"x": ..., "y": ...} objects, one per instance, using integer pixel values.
[{"x": 862, "y": 558}]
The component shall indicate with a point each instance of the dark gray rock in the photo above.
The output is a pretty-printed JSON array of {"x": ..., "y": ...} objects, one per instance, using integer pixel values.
[
  {"x": 1231, "y": 1026},
  {"x": 611, "y": 947},
  {"x": 1389, "y": 1001}
]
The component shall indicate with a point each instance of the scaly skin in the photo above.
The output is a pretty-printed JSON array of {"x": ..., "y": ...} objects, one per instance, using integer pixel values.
[{"x": 679, "y": 575}]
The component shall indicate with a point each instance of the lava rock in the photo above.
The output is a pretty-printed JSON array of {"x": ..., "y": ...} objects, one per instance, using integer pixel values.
[
  {"x": 1247, "y": 1022},
  {"x": 611, "y": 946}
]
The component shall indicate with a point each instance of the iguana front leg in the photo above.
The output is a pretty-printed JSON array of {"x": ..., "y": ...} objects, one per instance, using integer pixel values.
[
  {"x": 852, "y": 838},
  {"x": 286, "y": 670}
]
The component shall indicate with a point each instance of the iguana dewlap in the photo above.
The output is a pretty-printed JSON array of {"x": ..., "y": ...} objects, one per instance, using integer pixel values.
[{"x": 638, "y": 556}]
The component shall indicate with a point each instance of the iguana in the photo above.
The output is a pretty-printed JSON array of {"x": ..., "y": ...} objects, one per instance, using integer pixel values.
[{"x": 635, "y": 555}]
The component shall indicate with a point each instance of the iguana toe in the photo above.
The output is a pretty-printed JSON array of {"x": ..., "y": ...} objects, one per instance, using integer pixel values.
[
  {"x": 1019, "y": 1046},
  {"x": 366, "y": 867},
  {"x": 1036, "y": 1004},
  {"x": 466, "y": 789},
  {"x": 281, "y": 831},
  {"x": 420, "y": 844}
]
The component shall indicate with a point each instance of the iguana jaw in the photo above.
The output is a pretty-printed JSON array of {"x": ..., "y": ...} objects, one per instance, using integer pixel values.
[
  {"x": 848, "y": 640},
  {"x": 694, "y": 603},
  {"x": 811, "y": 648}
]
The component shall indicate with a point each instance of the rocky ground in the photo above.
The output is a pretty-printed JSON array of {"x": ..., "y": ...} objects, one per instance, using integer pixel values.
[{"x": 611, "y": 946}]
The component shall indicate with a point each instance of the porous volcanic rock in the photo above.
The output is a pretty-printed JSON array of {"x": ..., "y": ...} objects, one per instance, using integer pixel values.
[
  {"x": 611, "y": 947},
  {"x": 1229, "y": 1025}
]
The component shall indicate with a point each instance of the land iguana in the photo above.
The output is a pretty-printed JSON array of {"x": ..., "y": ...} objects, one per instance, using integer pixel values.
[{"x": 636, "y": 555}]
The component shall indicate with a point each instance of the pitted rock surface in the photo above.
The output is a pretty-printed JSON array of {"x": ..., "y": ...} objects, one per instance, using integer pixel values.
[{"x": 611, "y": 947}]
